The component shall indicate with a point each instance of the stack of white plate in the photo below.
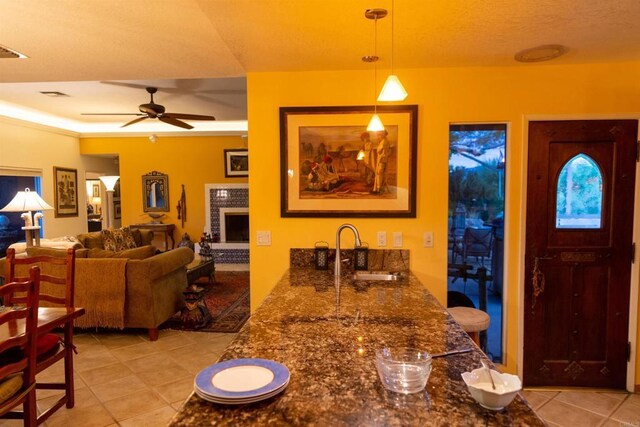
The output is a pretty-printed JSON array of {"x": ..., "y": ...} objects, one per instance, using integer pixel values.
[{"x": 239, "y": 381}]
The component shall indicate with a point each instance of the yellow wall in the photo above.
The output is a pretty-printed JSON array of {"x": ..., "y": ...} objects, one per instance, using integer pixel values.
[
  {"x": 192, "y": 161},
  {"x": 444, "y": 95}
]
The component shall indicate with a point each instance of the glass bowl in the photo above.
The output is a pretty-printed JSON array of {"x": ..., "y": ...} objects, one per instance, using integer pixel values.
[
  {"x": 402, "y": 369},
  {"x": 479, "y": 385}
]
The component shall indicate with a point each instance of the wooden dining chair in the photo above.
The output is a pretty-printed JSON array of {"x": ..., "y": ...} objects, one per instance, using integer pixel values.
[
  {"x": 57, "y": 279},
  {"x": 18, "y": 332}
]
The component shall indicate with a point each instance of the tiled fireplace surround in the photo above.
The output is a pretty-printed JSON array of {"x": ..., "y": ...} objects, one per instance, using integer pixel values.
[{"x": 226, "y": 197}]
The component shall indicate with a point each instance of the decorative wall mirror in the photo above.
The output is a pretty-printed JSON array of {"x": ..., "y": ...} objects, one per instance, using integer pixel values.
[{"x": 155, "y": 192}]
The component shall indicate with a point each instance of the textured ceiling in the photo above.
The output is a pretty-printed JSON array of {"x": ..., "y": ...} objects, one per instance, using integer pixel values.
[{"x": 180, "y": 45}]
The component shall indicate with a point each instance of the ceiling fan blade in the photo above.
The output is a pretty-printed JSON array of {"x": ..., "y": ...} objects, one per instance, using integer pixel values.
[
  {"x": 111, "y": 114},
  {"x": 188, "y": 116},
  {"x": 175, "y": 122},
  {"x": 139, "y": 119}
]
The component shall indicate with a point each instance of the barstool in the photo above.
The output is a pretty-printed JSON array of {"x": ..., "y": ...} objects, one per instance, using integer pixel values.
[{"x": 471, "y": 320}]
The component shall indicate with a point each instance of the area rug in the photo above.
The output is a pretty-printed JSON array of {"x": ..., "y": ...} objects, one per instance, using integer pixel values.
[{"x": 227, "y": 300}]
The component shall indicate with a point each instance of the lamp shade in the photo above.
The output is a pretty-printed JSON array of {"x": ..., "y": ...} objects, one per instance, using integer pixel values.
[
  {"x": 375, "y": 124},
  {"x": 392, "y": 90},
  {"x": 109, "y": 181},
  {"x": 26, "y": 201}
]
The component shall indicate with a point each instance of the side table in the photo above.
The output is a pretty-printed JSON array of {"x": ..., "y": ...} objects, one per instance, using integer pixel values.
[{"x": 167, "y": 229}]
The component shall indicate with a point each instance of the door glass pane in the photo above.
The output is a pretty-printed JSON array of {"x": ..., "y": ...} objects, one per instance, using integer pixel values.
[{"x": 579, "y": 194}]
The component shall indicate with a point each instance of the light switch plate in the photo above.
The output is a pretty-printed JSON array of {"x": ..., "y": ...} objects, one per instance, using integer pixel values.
[
  {"x": 397, "y": 239},
  {"x": 428, "y": 239},
  {"x": 382, "y": 238},
  {"x": 263, "y": 238}
]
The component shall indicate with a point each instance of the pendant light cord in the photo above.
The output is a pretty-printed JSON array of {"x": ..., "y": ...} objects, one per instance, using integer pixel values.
[
  {"x": 375, "y": 65},
  {"x": 393, "y": 10}
]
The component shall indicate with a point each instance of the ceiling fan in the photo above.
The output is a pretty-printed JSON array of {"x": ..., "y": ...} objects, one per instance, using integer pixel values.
[{"x": 156, "y": 111}]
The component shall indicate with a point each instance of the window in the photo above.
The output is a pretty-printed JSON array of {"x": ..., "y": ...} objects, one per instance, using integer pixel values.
[
  {"x": 477, "y": 162},
  {"x": 10, "y": 222},
  {"x": 579, "y": 194}
]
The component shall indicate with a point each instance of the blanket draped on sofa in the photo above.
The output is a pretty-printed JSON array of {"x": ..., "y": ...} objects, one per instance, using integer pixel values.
[{"x": 103, "y": 299}]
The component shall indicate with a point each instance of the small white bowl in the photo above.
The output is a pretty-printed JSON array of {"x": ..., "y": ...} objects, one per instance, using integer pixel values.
[{"x": 479, "y": 385}]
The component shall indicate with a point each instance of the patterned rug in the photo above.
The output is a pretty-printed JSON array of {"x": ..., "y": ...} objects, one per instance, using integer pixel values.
[{"x": 227, "y": 300}]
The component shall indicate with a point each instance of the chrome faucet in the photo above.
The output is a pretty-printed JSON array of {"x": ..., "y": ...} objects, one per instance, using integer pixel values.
[{"x": 338, "y": 260}]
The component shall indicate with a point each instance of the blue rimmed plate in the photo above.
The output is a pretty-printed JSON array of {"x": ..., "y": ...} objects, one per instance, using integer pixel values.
[{"x": 241, "y": 378}]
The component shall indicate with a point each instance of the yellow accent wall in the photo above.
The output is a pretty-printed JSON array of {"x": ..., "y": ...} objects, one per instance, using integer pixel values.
[
  {"x": 444, "y": 96},
  {"x": 192, "y": 161}
]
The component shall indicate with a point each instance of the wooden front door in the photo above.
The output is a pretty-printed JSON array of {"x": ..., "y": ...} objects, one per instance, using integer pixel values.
[{"x": 578, "y": 252}]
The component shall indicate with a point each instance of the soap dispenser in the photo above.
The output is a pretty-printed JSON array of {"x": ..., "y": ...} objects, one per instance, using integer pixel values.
[
  {"x": 321, "y": 255},
  {"x": 361, "y": 257}
]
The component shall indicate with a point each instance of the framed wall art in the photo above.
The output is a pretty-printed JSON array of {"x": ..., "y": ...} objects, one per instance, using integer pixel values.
[
  {"x": 155, "y": 192},
  {"x": 236, "y": 163},
  {"x": 66, "y": 192},
  {"x": 117, "y": 211},
  {"x": 330, "y": 166}
]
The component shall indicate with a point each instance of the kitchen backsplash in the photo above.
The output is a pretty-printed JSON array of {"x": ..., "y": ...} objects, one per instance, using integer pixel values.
[{"x": 379, "y": 259}]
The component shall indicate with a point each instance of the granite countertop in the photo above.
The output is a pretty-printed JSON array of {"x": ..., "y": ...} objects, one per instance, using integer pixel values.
[{"x": 329, "y": 351}]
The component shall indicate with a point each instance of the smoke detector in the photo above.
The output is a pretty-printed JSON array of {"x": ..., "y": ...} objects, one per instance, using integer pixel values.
[{"x": 542, "y": 53}]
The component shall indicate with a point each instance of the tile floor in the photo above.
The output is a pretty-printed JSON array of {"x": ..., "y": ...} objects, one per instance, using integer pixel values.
[
  {"x": 122, "y": 379},
  {"x": 585, "y": 409}
]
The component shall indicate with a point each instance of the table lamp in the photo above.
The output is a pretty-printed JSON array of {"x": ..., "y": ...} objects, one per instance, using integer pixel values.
[{"x": 27, "y": 201}]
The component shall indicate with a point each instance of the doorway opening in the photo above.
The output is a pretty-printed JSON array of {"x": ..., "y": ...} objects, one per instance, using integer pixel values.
[{"x": 477, "y": 161}]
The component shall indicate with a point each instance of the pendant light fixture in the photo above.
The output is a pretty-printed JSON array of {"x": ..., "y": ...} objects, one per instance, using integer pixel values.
[
  {"x": 392, "y": 89},
  {"x": 375, "y": 124}
]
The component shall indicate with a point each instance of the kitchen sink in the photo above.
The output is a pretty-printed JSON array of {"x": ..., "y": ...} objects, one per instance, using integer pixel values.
[{"x": 378, "y": 275}]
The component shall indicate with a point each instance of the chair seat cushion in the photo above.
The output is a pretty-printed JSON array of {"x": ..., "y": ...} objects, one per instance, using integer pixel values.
[
  {"x": 10, "y": 386},
  {"x": 47, "y": 345}
]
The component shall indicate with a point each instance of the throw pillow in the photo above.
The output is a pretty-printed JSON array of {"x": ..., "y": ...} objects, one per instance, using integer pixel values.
[
  {"x": 108, "y": 240},
  {"x": 91, "y": 240},
  {"x": 142, "y": 252},
  {"x": 118, "y": 239}
]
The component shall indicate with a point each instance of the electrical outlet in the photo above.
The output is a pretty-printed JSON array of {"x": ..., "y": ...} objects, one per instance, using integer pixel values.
[
  {"x": 428, "y": 239},
  {"x": 263, "y": 238},
  {"x": 397, "y": 239},
  {"x": 382, "y": 238}
]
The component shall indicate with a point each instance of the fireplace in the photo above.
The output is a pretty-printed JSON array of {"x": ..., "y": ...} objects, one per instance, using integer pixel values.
[
  {"x": 234, "y": 225},
  {"x": 227, "y": 217}
]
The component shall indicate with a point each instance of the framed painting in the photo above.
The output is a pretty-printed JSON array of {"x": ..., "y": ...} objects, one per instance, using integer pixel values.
[
  {"x": 331, "y": 166},
  {"x": 155, "y": 192},
  {"x": 66, "y": 192},
  {"x": 117, "y": 212},
  {"x": 96, "y": 190},
  {"x": 236, "y": 163}
]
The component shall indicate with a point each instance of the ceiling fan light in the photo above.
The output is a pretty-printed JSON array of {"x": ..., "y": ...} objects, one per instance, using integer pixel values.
[
  {"x": 392, "y": 90},
  {"x": 375, "y": 124}
]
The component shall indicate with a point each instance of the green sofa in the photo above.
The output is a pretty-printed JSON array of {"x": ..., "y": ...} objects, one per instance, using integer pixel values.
[{"x": 119, "y": 291}]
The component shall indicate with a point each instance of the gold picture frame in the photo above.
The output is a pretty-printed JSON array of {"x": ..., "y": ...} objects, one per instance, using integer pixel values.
[
  {"x": 66, "y": 192},
  {"x": 332, "y": 167}
]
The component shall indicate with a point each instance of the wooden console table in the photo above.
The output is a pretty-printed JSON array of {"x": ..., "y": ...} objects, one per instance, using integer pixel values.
[{"x": 167, "y": 229}]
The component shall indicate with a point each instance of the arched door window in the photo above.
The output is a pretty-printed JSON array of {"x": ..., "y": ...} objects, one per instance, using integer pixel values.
[{"x": 579, "y": 194}]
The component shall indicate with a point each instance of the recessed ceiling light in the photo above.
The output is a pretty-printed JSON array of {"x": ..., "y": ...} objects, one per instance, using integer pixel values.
[
  {"x": 54, "y": 94},
  {"x": 541, "y": 53}
]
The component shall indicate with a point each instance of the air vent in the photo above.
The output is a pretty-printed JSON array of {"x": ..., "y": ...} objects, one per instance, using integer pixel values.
[
  {"x": 6, "y": 53},
  {"x": 54, "y": 94}
]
